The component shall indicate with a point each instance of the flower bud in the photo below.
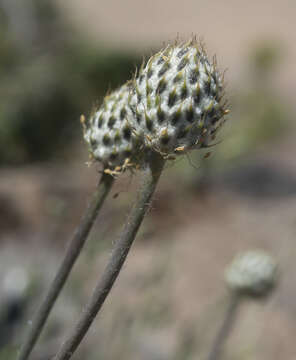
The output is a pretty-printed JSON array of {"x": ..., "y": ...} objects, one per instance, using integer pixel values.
[
  {"x": 109, "y": 131},
  {"x": 253, "y": 273},
  {"x": 172, "y": 106},
  {"x": 177, "y": 99}
]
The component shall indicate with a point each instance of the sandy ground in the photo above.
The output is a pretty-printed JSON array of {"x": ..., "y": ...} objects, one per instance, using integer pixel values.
[{"x": 171, "y": 295}]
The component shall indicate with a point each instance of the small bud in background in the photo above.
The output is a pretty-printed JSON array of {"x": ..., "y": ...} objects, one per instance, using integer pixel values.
[{"x": 253, "y": 273}]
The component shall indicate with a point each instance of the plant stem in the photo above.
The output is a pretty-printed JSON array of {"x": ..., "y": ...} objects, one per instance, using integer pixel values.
[
  {"x": 224, "y": 331},
  {"x": 118, "y": 256},
  {"x": 73, "y": 250}
]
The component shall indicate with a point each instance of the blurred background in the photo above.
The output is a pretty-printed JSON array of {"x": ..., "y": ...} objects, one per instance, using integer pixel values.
[{"x": 57, "y": 59}]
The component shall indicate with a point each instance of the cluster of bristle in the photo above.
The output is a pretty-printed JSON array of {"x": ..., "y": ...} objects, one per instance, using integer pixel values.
[
  {"x": 110, "y": 132},
  {"x": 173, "y": 105},
  {"x": 178, "y": 99}
]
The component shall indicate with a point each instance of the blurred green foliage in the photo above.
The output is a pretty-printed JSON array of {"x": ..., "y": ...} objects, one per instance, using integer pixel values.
[
  {"x": 259, "y": 114},
  {"x": 264, "y": 57},
  {"x": 8, "y": 353},
  {"x": 49, "y": 76}
]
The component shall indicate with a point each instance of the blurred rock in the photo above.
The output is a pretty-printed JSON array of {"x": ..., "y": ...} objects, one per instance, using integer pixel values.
[
  {"x": 261, "y": 180},
  {"x": 14, "y": 296}
]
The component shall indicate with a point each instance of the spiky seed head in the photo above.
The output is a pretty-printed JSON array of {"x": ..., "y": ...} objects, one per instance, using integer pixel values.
[
  {"x": 253, "y": 273},
  {"x": 179, "y": 91},
  {"x": 110, "y": 133},
  {"x": 172, "y": 106}
]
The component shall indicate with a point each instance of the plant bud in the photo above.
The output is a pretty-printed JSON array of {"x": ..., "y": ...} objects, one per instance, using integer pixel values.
[
  {"x": 173, "y": 105},
  {"x": 253, "y": 273},
  {"x": 109, "y": 131},
  {"x": 177, "y": 99}
]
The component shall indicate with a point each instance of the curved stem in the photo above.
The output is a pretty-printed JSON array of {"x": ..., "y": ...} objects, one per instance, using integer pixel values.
[
  {"x": 224, "y": 331},
  {"x": 73, "y": 250},
  {"x": 118, "y": 256}
]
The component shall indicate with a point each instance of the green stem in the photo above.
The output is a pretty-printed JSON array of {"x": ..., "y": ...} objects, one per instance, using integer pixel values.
[
  {"x": 73, "y": 250},
  {"x": 224, "y": 331},
  {"x": 117, "y": 259}
]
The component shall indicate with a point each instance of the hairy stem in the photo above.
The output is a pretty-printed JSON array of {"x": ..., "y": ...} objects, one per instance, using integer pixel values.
[
  {"x": 73, "y": 250},
  {"x": 118, "y": 256},
  {"x": 225, "y": 329}
]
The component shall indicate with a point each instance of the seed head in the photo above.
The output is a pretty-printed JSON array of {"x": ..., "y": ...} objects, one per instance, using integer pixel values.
[
  {"x": 110, "y": 131},
  {"x": 173, "y": 105},
  {"x": 178, "y": 97},
  {"x": 253, "y": 273}
]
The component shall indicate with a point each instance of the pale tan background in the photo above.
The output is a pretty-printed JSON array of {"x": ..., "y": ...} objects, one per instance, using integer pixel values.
[{"x": 228, "y": 27}]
